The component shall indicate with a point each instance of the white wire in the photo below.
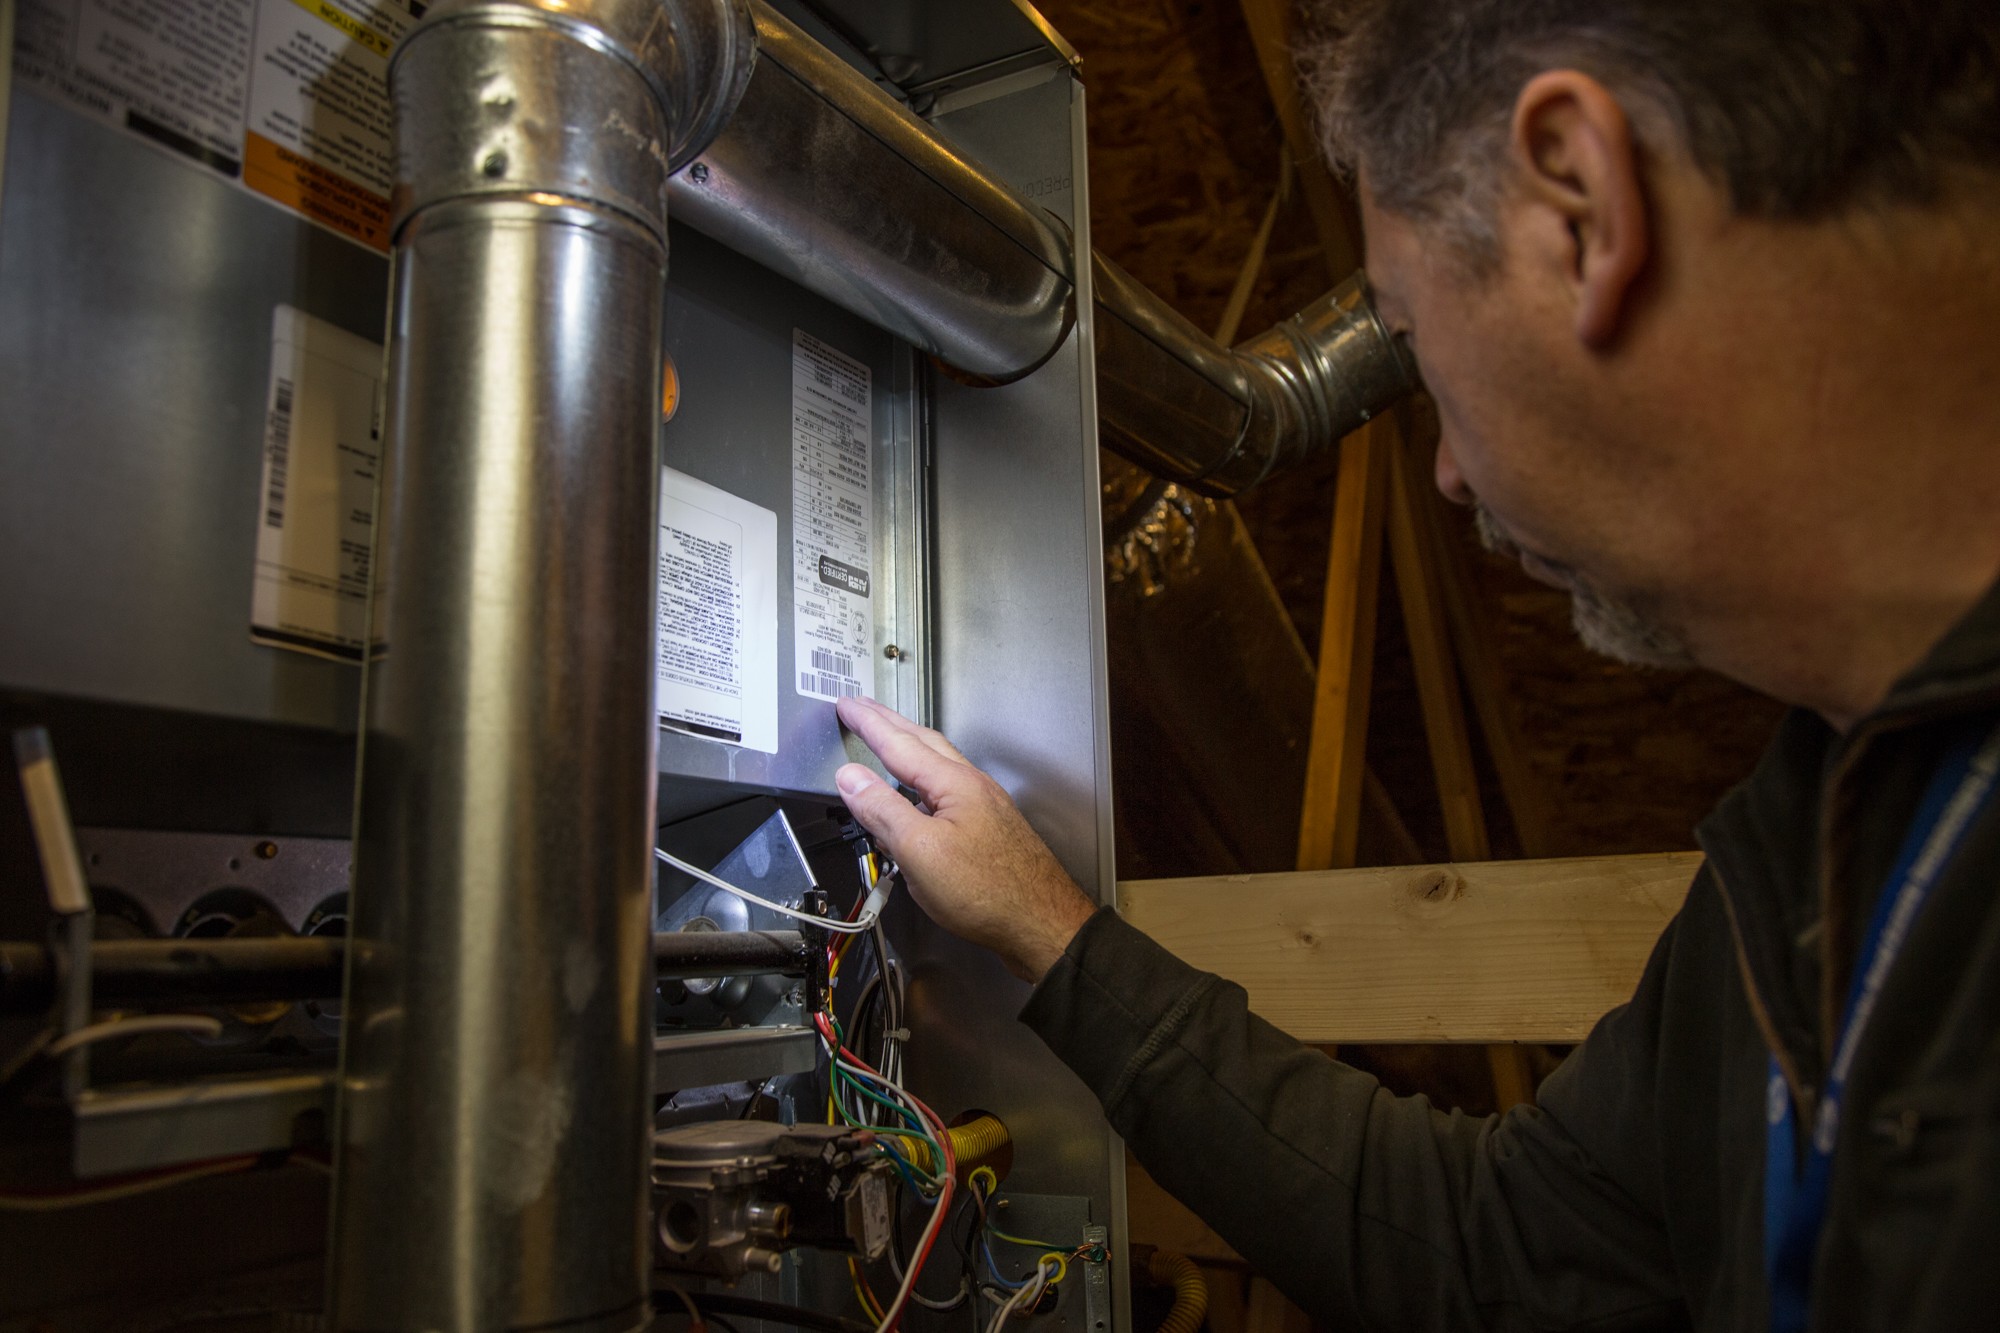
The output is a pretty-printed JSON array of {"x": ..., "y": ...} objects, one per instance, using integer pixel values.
[
  {"x": 892, "y": 1004},
  {"x": 940, "y": 1210},
  {"x": 1045, "y": 1268},
  {"x": 132, "y": 1027},
  {"x": 866, "y": 921}
]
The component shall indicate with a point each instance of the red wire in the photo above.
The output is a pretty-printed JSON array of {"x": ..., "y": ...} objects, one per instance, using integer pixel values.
[{"x": 950, "y": 1177}]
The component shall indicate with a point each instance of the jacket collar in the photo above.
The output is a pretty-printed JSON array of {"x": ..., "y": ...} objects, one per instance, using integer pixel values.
[
  {"x": 1767, "y": 840},
  {"x": 1962, "y": 669}
]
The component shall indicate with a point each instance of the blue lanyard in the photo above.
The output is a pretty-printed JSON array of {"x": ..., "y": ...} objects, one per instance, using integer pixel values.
[{"x": 1795, "y": 1192}]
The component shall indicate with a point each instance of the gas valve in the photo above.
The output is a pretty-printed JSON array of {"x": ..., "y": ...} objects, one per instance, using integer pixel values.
[{"x": 731, "y": 1195}]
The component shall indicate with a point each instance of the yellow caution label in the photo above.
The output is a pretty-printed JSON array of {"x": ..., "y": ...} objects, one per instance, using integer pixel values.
[{"x": 359, "y": 30}]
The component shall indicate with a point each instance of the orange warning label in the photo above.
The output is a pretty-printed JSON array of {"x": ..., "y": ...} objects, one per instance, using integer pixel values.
[{"x": 321, "y": 194}]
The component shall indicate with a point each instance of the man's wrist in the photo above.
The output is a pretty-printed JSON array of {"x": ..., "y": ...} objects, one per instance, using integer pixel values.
[{"x": 1051, "y": 933}]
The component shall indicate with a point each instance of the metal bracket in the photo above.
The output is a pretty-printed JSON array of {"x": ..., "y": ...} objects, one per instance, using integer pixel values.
[
  {"x": 1097, "y": 1281},
  {"x": 141, "y": 1128}
]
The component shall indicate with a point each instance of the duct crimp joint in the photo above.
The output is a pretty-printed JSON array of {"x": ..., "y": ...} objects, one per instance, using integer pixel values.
[
  {"x": 1330, "y": 368},
  {"x": 583, "y": 103}
]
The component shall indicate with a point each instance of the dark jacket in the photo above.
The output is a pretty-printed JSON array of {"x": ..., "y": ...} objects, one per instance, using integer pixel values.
[{"x": 1631, "y": 1195}]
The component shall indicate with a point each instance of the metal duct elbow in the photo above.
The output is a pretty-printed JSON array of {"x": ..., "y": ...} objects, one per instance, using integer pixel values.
[
  {"x": 826, "y": 180},
  {"x": 495, "y": 1095},
  {"x": 1178, "y": 404}
]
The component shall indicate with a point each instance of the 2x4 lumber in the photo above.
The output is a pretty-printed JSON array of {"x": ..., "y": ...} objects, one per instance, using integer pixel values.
[
  {"x": 1436, "y": 675},
  {"x": 1330, "y": 818},
  {"x": 1472, "y": 638},
  {"x": 1497, "y": 951}
]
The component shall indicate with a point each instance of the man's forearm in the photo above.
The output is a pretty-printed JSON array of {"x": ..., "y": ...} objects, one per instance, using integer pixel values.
[{"x": 1360, "y": 1205}]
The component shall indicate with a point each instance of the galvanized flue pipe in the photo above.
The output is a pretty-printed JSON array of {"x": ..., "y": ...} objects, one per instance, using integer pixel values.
[{"x": 495, "y": 1101}]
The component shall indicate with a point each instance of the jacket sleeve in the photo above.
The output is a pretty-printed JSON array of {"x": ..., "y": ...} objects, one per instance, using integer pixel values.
[{"x": 1367, "y": 1209}]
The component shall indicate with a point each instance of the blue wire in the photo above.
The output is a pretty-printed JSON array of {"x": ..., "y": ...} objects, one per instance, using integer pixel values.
[{"x": 993, "y": 1266}]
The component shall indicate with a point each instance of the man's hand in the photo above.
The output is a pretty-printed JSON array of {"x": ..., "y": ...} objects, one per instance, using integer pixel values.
[{"x": 972, "y": 862}]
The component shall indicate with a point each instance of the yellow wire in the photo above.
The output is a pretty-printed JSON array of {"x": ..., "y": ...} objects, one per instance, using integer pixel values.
[{"x": 869, "y": 1305}]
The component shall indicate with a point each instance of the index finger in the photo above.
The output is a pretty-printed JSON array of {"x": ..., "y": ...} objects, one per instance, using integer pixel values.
[
  {"x": 905, "y": 755},
  {"x": 853, "y": 706}
]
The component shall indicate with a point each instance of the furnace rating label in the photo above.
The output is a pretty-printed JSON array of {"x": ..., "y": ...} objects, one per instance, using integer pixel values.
[
  {"x": 718, "y": 667},
  {"x": 287, "y": 98},
  {"x": 833, "y": 521},
  {"x": 316, "y": 506}
]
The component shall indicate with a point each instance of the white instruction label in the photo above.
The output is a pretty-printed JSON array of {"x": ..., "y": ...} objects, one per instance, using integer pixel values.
[
  {"x": 718, "y": 672},
  {"x": 833, "y": 507},
  {"x": 316, "y": 519},
  {"x": 288, "y": 98}
]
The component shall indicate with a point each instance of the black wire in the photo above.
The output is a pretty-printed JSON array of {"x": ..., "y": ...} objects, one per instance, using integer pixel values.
[
  {"x": 900, "y": 1250},
  {"x": 871, "y": 995},
  {"x": 882, "y": 993}
]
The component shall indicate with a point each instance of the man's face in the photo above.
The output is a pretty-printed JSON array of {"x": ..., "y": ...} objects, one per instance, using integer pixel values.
[{"x": 1524, "y": 440}]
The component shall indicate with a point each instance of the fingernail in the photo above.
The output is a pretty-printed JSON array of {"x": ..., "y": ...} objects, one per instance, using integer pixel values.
[{"x": 852, "y": 779}]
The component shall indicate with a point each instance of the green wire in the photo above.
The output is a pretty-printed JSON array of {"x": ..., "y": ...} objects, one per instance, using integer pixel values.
[
  {"x": 998, "y": 1234},
  {"x": 873, "y": 1096}
]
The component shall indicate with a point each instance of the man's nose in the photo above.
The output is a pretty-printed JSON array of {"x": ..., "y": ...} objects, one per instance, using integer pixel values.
[{"x": 1450, "y": 480}]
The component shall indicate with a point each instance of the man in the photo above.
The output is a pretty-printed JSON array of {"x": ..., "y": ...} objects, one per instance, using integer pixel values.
[{"x": 1708, "y": 295}]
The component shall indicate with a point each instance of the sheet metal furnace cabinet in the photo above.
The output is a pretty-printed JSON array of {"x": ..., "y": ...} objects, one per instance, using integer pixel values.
[{"x": 190, "y": 370}]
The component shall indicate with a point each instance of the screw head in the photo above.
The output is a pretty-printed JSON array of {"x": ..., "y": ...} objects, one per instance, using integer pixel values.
[
  {"x": 495, "y": 165},
  {"x": 698, "y": 173},
  {"x": 893, "y": 653},
  {"x": 266, "y": 850}
]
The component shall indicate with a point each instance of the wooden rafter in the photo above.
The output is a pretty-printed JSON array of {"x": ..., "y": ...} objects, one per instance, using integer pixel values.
[{"x": 1330, "y": 824}]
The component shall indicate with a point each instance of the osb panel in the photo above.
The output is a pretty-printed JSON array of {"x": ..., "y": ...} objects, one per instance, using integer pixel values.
[{"x": 1184, "y": 155}]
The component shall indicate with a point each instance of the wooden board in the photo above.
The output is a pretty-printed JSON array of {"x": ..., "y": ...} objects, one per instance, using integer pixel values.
[
  {"x": 1330, "y": 822},
  {"x": 1436, "y": 673},
  {"x": 1498, "y": 951}
]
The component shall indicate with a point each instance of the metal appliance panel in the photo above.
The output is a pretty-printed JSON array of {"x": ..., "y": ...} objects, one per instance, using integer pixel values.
[
  {"x": 135, "y": 345},
  {"x": 1020, "y": 678},
  {"x": 729, "y": 332},
  {"x": 135, "y": 353}
]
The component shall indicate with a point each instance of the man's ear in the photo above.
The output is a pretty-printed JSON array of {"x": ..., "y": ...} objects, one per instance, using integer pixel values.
[{"x": 1574, "y": 154}]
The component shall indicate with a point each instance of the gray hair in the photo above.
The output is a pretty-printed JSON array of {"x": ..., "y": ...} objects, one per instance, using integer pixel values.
[{"x": 1799, "y": 108}]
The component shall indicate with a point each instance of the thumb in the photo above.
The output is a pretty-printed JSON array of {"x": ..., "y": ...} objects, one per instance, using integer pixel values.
[{"x": 877, "y": 806}]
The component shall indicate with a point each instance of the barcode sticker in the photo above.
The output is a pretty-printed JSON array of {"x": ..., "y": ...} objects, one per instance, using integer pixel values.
[
  {"x": 277, "y": 454},
  {"x": 839, "y": 664},
  {"x": 316, "y": 527},
  {"x": 833, "y": 443}
]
